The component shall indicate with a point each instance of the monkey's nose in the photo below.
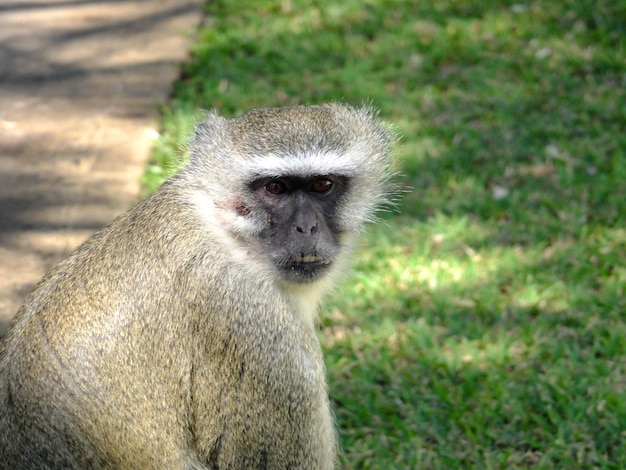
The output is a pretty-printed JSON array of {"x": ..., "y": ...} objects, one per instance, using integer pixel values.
[{"x": 313, "y": 230}]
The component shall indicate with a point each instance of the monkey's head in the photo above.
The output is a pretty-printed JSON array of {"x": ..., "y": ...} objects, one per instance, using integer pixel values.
[{"x": 290, "y": 188}]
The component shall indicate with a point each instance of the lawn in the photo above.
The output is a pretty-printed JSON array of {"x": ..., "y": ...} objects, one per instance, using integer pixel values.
[{"x": 484, "y": 323}]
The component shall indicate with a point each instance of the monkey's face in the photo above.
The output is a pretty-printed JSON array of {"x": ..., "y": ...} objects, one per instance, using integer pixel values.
[
  {"x": 289, "y": 189},
  {"x": 301, "y": 232}
]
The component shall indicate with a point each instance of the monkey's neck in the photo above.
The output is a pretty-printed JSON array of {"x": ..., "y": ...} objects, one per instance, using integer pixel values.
[{"x": 305, "y": 298}]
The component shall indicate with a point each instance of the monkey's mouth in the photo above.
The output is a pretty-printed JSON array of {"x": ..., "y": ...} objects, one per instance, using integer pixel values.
[
  {"x": 307, "y": 266},
  {"x": 307, "y": 259}
]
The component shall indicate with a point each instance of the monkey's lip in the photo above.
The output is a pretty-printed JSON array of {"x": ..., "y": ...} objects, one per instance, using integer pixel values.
[
  {"x": 307, "y": 263},
  {"x": 303, "y": 269},
  {"x": 307, "y": 259}
]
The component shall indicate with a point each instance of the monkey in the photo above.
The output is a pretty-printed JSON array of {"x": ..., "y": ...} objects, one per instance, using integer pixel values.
[{"x": 184, "y": 334}]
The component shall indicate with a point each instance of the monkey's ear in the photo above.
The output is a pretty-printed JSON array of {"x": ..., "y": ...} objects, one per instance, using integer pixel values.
[
  {"x": 209, "y": 134},
  {"x": 210, "y": 123}
]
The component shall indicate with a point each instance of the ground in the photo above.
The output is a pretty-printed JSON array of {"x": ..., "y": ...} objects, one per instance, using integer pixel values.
[{"x": 79, "y": 87}]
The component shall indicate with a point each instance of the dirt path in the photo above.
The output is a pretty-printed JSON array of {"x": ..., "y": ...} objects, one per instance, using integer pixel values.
[{"x": 79, "y": 84}]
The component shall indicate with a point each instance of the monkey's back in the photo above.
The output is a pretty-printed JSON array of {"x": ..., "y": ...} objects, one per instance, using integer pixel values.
[{"x": 87, "y": 373}]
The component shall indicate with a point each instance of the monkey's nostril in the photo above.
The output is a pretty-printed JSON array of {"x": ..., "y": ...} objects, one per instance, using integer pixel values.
[{"x": 313, "y": 230}]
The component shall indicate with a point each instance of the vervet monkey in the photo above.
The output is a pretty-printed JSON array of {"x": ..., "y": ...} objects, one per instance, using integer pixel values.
[{"x": 182, "y": 335}]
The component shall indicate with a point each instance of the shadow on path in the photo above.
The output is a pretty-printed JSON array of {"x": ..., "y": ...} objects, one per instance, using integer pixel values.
[{"x": 79, "y": 85}]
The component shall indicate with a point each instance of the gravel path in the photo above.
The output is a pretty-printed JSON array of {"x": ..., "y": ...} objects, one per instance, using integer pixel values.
[{"x": 79, "y": 85}]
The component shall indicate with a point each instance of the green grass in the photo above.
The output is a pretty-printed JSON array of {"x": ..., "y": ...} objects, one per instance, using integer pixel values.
[{"x": 484, "y": 325}]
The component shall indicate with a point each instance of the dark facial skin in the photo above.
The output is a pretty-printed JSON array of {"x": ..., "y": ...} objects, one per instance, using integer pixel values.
[{"x": 301, "y": 233}]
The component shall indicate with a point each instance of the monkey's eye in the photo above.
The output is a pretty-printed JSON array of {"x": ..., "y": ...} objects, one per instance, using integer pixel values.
[
  {"x": 321, "y": 185},
  {"x": 276, "y": 187}
]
